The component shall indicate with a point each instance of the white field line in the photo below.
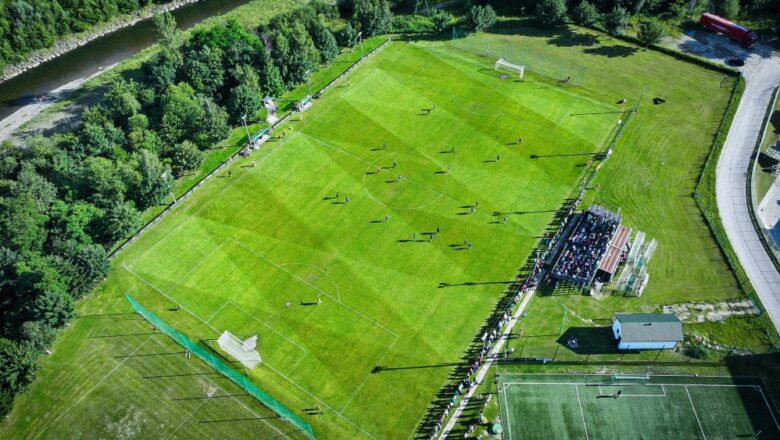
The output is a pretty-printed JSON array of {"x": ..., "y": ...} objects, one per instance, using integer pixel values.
[
  {"x": 191, "y": 216},
  {"x": 610, "y": 375},
  {"x": 694, "y": 413},
  {"x": 634, "y": 395},
  {"x": 196, "y": 266},
  {"x": 368, "y": 376},
  {"x": 267, "y": 365},
  {"x": 492, "y": 355},
  {"x": 187, "y": 418},
  {"x": 506, "y": 413},
  {"x": 217, "y": 311},
  {"x": 338, "y": 291},
  {"x": 352, "y": 309},
  {"x": 769, "y": 408},
  {"x": 269, "y": 327},
  {"x": 582, "y": 412},
  {"x": 93, "y": 387},
  {"x": 655, "y": 384},
  {"x": 207, "y": 379}
]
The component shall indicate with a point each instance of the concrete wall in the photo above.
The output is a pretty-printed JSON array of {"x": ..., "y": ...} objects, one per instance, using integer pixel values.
[{"x": 645, "y": 345}]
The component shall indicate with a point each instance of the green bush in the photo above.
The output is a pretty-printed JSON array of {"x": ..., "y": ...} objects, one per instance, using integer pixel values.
[
  {"x": 585, "y": 14},
  {"x": 411, "y": 24},
  {"x": 551, "y": 12},
  {"x": 480, "y": 18}
]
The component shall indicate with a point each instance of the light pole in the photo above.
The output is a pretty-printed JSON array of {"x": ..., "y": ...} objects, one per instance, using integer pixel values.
[
  {"x": 360, "y": 37},
  {"x": 243, "y": 120},
  {"x": 308, "y": 81}
]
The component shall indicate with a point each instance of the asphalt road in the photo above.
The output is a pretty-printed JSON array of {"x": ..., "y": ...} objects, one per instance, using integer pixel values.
[{"x": 762, "y": 75}]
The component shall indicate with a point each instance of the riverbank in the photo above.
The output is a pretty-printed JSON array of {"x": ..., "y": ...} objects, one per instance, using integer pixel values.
[{"x": 75, "y": 41}]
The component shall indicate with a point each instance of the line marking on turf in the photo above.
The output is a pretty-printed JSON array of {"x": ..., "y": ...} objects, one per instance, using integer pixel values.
[
  {"x": 93, "y": 387},
  {"x": 506, "y": 412},
  {"x": 634, "y": 395},
  {"x": 323, "y": 271},
  {"x": 769, "y": 408},
  {"x": 357, "y": 312},
  {"x": 197, "y": 265},
  {"x": 217, "y": 311},
  {"x": 266, "y": 364},
  {"x": 207, "y": 379},
  {"x": 187, "y": 418},
  {"x": 694, "y": 412},
  {"x": 368, "y": 376},
  {"x": 582, "y": 413}
]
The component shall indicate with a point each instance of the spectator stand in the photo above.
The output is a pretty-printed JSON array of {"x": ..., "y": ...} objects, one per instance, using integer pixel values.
[{"x": 586, "y": 247}]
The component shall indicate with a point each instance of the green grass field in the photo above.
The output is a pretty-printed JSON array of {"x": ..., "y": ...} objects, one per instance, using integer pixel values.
[
  {"x": 680, "y": 407},
  {"x": 254, "y": 252}
]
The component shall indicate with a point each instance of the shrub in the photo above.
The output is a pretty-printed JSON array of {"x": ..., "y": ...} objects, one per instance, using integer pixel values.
[
  {"x": 480, "y": 18},
  {"x": 551, "y": 12},
  {"x": 585, "y": 14}
]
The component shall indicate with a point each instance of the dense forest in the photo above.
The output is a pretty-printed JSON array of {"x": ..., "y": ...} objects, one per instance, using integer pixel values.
[
  {"x": 28, "y": 25},
  {"x": 66, "y": 199}
]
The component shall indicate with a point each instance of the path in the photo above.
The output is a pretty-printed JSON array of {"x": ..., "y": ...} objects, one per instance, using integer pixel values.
[
  {"x": 493, "y": 354},
  {"x": 25, "y": 114},
  {"x": 762, "y": 75}
]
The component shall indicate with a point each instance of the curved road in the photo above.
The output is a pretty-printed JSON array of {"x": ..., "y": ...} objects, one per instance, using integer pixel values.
[{"x": 761, "y": 76}]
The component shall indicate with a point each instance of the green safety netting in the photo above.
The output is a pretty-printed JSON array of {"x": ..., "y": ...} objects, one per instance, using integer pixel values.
[{"x": 217, "y": 364}]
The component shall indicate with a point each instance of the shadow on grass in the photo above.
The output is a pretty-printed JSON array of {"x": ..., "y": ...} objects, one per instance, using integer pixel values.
[
  {"x": 589, "y": 340},
  {"x": 619, "y": 51}
]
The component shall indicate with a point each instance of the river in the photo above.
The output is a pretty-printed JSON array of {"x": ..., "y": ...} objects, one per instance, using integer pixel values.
[{"x": 105, "y": 51}]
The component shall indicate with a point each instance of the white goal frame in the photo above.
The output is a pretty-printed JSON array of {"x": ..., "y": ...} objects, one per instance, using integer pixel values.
[
  {"x": 502, "y": 63},
  {"x": 240, "y": 350}
]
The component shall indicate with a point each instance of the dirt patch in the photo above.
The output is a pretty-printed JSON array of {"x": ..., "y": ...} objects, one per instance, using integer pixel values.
[{"x": 712, "y": 312}]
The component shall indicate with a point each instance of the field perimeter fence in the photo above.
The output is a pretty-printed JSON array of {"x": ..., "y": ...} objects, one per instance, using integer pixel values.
[
  {"x": 232, "y": 157},
  {"x": 222, "y": 368}
]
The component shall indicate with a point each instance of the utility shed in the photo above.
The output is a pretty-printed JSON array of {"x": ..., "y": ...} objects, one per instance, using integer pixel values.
[{"x": 646, "y": 331}]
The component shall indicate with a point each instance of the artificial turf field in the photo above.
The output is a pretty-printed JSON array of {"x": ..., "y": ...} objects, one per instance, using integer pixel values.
[
  {"x": 256, "y": 252},
  {"x": 679, "y": 407}
]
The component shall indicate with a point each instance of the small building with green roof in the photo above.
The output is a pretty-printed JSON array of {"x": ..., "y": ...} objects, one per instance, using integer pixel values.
[{"x": 646, "y": 331}]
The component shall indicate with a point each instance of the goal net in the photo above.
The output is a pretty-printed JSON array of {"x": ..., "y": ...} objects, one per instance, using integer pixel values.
[
  {"x": 243, "y": 351},
  {"x": 504, "y": 64}
]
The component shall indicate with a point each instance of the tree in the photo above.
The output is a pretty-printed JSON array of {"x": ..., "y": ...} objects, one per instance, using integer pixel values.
[
  {"x": 29, "y": 182},
  {"x": 214, "y": 126},
  {"x": 22, "y": 225},
  {"x": 325, "y": 42},
  {"x": 347, "y": 35},
  {"x": 17, "y": 365},
  {"x": 616, "y": 21},
  {"x": 53, "y": 308},
  {"x": 182, "y": 113},
  {"x": 120, "y": 100},
  {"x": 480, "y": 18},
  {"x": 728, "y": 8},
  {"x": 165, "y": 29},
  {"x": 161, "y": 69},
  {"x": 551, "y": 12},
  {"x": 82, "y": 265},
  {"x": 650, "y": 32},
  {"x": 202, "y": 69},
  {"x": 244, "y": 100},
  {"x": 118, "y": 221},
  {"x": 155, "y": 184},
  {"x": 186, "y": 157},
  {"x": 585, "y": 14},
  {"x": 271, "y": 81},
  {"x": 294, "y": 53},
  {"x": 39, "y": 334},
  {"x": 440, "y": 19},
  {"x": 374, "y": 16}
]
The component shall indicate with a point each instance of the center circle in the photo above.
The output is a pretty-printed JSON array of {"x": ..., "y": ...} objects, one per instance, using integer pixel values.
[{"x": 405, "y": 180}]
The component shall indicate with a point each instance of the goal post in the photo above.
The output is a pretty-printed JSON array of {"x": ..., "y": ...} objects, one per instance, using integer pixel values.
[
  {"x": 516, "y": 68},
  {"x": 242, "y": 351}
]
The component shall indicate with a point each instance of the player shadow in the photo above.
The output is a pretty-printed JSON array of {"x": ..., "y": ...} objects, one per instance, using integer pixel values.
[
  {"x": 542, "y": 156},
  {"x": 443, "y": 284},
  {"x": 308, "y": 304},
  {"x": 168, "y": 376},
  {"x": 379, "y": 368},
  {"x": 123, "y": 335},
  {"x": 244, "y": 419}
]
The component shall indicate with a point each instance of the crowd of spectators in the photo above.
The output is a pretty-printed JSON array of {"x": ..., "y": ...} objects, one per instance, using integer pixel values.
[{"x": 587, "y": 245}]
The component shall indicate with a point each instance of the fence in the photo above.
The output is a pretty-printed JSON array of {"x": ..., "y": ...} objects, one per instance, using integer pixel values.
[
  {"x": 227, "y": 161},
  {"x": 215, "y": 363}
]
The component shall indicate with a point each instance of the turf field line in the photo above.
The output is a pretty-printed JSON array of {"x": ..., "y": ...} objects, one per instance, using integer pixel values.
[
  {"x": 191, "y": 216},
  {"x": 601, "y": 392},
  {"x": 305, "y": 351},
  {"x": 582, "y": 413},
  {"x": 322, "y": 271},
  {"x": 195, "y": 266},
  {"x": 694, "y": 412},
  {"x": 217, "y": 311},
  {"x": 769, "y": 407},
  {"x": 186, "y": 419},
  {"x": 368, "y": 376},
  {"x": 654, "y": 384},
  {"x": 266, "y": 364},
  {"x": 97, "y": 384},
  {"x": 506, "y": 412},
  {"x": 251, "y": 411},
  {"x": 357, "y": 312},
  {"x": 295, "y": 384}
]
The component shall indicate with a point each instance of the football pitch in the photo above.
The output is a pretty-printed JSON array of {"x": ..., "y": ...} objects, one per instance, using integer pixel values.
[
  {"x": 589, "y": 407},
  {"x": 344, "y": 293},
  {"x": 365, "y": 247}
]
